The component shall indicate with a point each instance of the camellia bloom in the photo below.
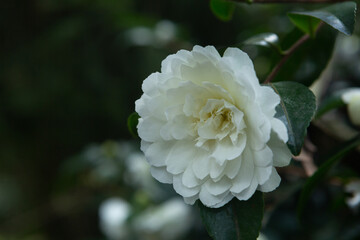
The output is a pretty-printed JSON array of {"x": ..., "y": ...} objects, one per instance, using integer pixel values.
[{"x": 208, "y": 127}]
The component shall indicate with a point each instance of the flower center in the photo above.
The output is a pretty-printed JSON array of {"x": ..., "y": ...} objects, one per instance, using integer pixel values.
[{"x": 219, "y": 119}]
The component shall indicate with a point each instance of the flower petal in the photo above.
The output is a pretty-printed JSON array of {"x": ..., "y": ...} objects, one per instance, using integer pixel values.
[
  {"x": 244, "y": 177},
  {"x": 160, "y": 174},
  {"x": 217, "y": 188},
  {"x": 149, "y": 129},
  {"x": 216, "y": 170},
  {"x": 262, "y": 174},
  {"x": 233, "y": 167},
  {"x": 201, "y": 166},
  {"x": 226, "y": 150},
  {"x": 282, "y": 155},
  {"x": 191, "y": 200},
  {"x": 263, "y": 157},
  {"x": 158, "y": 152},
  {"x": 183, "y": 190},
  {"x": 280, "y": 129},
  {"x": 272, "y": 183},
  {"x": 249, "y": 191},
  {"x": 210, "y": 200},
  {"x": 189, "y": 179},
  {"x": 180, "y": 156}
]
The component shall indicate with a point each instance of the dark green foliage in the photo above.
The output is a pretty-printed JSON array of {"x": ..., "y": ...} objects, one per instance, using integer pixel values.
[
  {"x": 222, "y": 9},
  {"x": 237, "y": 220},
  {"x": 296, "y": 110},
  {"x": 340, "y": 16},
  {"x": 321, "y": 173}
]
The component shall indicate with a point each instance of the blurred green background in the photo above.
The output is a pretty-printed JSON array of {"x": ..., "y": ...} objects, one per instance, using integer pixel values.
[{"x": 70, "y": 73}]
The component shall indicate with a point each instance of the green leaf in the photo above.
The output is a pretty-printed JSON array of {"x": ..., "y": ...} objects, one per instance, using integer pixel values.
[
  {"x": 132, "y": 122},
  {"x": 340, "y": 16},
  {"x": 270, "y": 40},
  {"x": 305, "y": 23},
  {"x": 237, "y": 220},
  {"x": 329, "y": 103},
  {"x": 307, "y": 63},
  {"x": 314, "y": 180},
  {"x": 296, "y": 109},
  {"x": 222, "y": 9}
]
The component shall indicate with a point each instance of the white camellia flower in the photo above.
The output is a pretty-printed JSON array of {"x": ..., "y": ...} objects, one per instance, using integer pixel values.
[
  {"x": 208, "y": 127},
  {"x": 354, "y": 188},
  {"x": 352, "y": 98},
  {"x": 113, "y": 214},
  {"x": 170, "y": 220}
]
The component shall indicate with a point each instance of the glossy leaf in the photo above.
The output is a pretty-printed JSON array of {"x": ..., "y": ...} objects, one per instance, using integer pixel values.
[
  {"x": 307, "y": 63},
  {"x": 270, "y": 40},
  {"x": 296, "y": 109},
  {"x": 237, "y": 220},
  {"x": 132, "y": 123},
  {"x": 305, "y": 23},
  {"x": 340, "y": 16},
  {"x": 319, "y": 175},
  {"x": 222, "y": 9}
]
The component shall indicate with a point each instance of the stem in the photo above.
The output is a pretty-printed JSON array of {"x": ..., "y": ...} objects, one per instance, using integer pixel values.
[
  {"x": 288, "y": 1},
  {"x": 288, "y": 53}
]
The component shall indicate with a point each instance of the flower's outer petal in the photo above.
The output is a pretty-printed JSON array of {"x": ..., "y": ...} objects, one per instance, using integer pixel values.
[
  {"x": 160, "y": 174},
  {"x": 268, "y": 100},
  {"x": 150, "y": 85},
  {"x": 244, "y": 177},
  {"x": 210, "y": 200},
  {"x": 243, "y": 69},
  {"x": 280, "y": 129},
  {"x": 140, "y": 106},
  {"x": 156, "y": 106},
  {"x": 262, "y": 174},
  {"x": 282, "y": 155},
  {"x": 272, "y": 183},
  {"x": 255, "y": 119},
  {"x": 209, "y": 52},
  {"x": 158, "y": 152},
  {"x": 201, "y": 166},
  {"x": 232, "y": 168},
  {"x": 240, "y": 59},
  {"x": 149, "y": 129},
  {"x": 172, "y": 63},
  {"x": 263, "y": 157},
  {"x": 191, "y": 200},
  {"x": 217, "y": 188},
  {"x": 189, "y": 179},
  {"x": 225, "y": 200},
  {"x": 181, "y": 189},
  {"x": 180, "y": 156},
  {"x": 201, "y": 72},
  {"x": 249, "y": 191},
  {"x": 144, "y": 145},
  {"x": 216, "y": 170}
]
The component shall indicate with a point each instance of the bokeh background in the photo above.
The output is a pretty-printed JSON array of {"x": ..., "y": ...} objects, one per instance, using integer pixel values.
[{"x": 70, "y": 72}]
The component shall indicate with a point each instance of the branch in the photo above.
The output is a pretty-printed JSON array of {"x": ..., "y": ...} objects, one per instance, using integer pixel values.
[
  {"x": 288, "y": 53},
  {"x": 288, "y": 1}
]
